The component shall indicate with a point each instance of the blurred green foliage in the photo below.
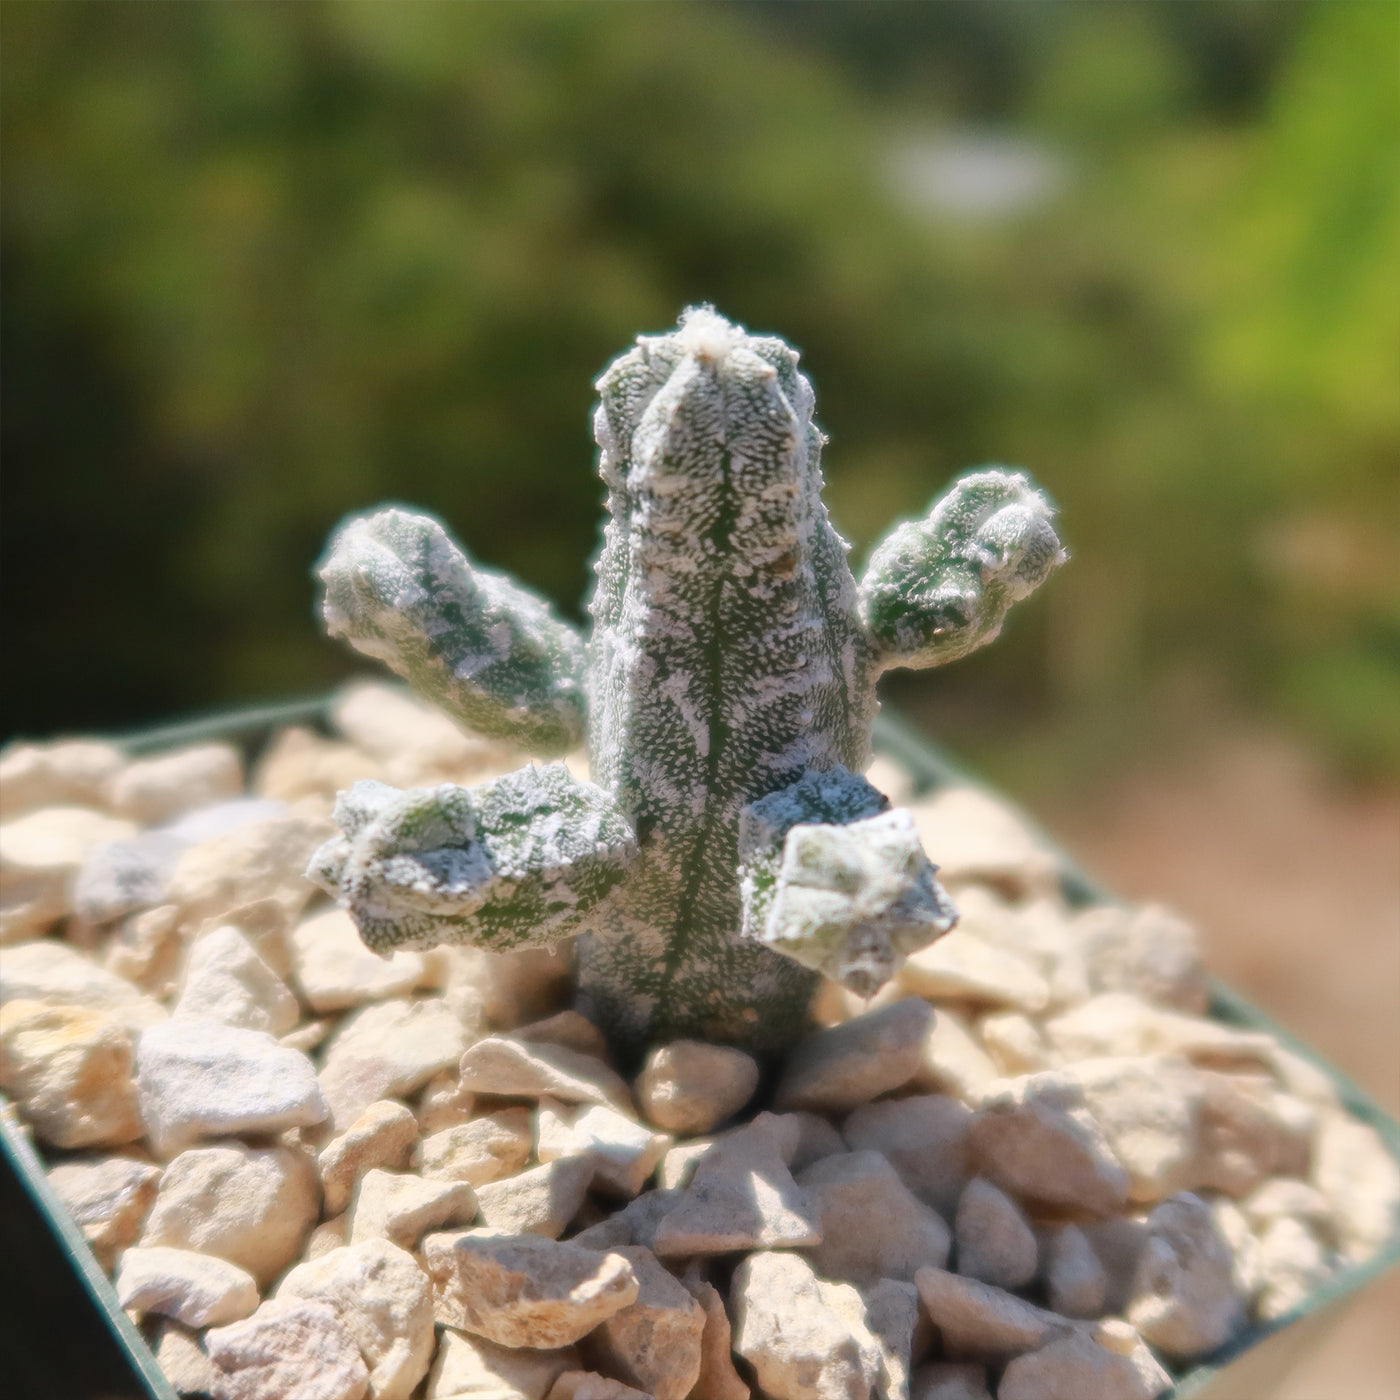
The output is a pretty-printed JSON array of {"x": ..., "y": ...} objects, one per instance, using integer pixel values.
[{"x": 266, "y": 263}]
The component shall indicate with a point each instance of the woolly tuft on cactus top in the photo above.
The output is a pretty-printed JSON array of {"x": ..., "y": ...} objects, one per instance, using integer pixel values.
[{"x": 726, "y": 854}]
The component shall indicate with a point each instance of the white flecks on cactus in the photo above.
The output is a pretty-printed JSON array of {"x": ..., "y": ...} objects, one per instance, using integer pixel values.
[
  {"x": 486, "y": 650},
  {"x": 732, "y": 664}
]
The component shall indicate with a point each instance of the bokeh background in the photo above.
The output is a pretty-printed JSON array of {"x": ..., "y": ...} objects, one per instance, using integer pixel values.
[{"x": 267, "y": 263}]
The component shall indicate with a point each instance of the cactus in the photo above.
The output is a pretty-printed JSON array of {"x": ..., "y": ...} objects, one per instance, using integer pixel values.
[{"x": 726, "y": 853}]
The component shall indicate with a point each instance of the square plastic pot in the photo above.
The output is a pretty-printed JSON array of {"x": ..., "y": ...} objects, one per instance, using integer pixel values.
[{"x": 67, "y": 1338}]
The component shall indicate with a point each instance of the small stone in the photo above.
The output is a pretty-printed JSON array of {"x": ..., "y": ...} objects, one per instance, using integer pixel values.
[
  {"x": 690, "y": 1087},
  {"x": 443, "y": 1104},
  {"x": 307, "y": 1036},
  {"x": 486, "y": 1149},
  {"x": 1250, "y": 1132},
  {"x": 951, "y": 1380},
  {"x": 266, "y": 924},
  {"x": 151, "y": 791},
  {"x": 718, "y": 1380},
  {"x": 1035, "y": 1138},
  {"x": 67, "y": 773},
  {"x": 471, "y": 1368},
  {"x": 622, "y": 1152},
  {"x": 384, "y": 1135},
  {"x": 1186, "y": 1300},
  {"x": 198, "y": 1290},
  {"x": 742, "y": 1197},
  {"x": 1361, "y": 1181},
  {"x": 299, "y": 763},
  {"x": 893, "y": 1316},
  {"x": 387, "y": 1051},
  {"x": 569, "y": 1028},
  {"x": 654, "y": 1343},
  {"x": 294, "y": 1349},
  {"x": 1014, "y": 1043},
  {"x": 979, "y": 840},
  {"x": 120, "y": 877},
  {"x": 62, "y": 976},
  {"x": 227, "y": 981},
  {"x": 40, "y": 856},
  {"x": 1293, "y": 1264},
  {"x": 1149, "y": 952},
  {"x": 980, "y": 1322},
  {"x": 252, "y": 1206},
  {"x": 513, "y": 1069},
  {"x": 1076, "y": 1282},
  {"x": 952, "y": 1062},
  {"x": 145, "y": 950},
  {"x": 1150, "y": 1109},
  {"x": 839, "y": 1069},
  {"x": 69, "y": 1071},
  {"x": 263, "y": 860},
  {"x": 589, "y": 1385},
  {"x": 197, "y": 1079},
  {"x": 541, "y": 1201},
  {"x": 679, "y": 1163},
  {"x": 803, "y": 1336},
  {"x": 1119, "y": 1245},
  {"x": 182, "y": 1360},
  {"x": 962, "y": 966},
  {"x": 108, "y": 1198},
  {"x": 925, "y": 1140},
  {"x": 503, "y": 990},
  {"x": 1235, "y": 1229},
  {"x": 995, "y": 1241},
  {"x": 1076, "y": 1366},
  {"x": 636, "y": 1223},
  {"x": 1287, "y": 1196},
  {"x": 335, "y": 970},
  {"x": 400, "y": 1208},
  {"x": 383, "y": 1300},
  {"x": 872, "y": 1226},
  {"x": 328, "y": 1235},
  {"x": 522, "y": 1290}
]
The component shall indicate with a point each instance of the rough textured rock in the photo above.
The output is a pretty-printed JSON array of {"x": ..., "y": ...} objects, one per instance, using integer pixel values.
[
  {"x": 1035, "y": 1138},
  {"x": 328, "y": 1235},
  {"x": 589, "y": 1385},
  {"x": 294, "y": 1349},
  {"x": 252, "y": 1206},
  {"x": 299, "y": 763},
  {"x": 979, "y": 840},
  {"x": 1186, "y": 1300},
  {"x": 121, "y": 877},
  {"x": 387, "y": 1051},
  {"x": 892, "y": 1314},
  {"x": 540, "y": 1201},
  {"x": 1149, "y": 952},
  {"x": 151, "y": 791},
  {"x": 145, "y": 951},
  {"x": 804, "y": 1338},
  {"x": 66, "y": 773},
  {"x": 925, "y": 1140},
  {"x": 443, "y": 1104},
  {"x": 182, "y": 1360},
  {"x": 718, "y": 1380},
  {"x": 690, "y": 1087},
  {"x": 950, "y": 1380},
  {"x": 982, "y": 1323},
  {"x": 69, "y": 1071},
  {"x": 952, "y": 1061},
  {"x": 1076, "y": 1366},
  {"x": 1150, "y": 1110},
  {"x": 62, "y": 976},
  {"x": 498, "y": 1065},
  {"x": 335, "y": 970},
  {"x": 1014, "y": 1043},
  {"x": 199, "y": 1079},
  {"x": 569, "y": 1028},
  {"x": 227, "y": 980},
  {"x": 1361, "y": 1182},
  {"x": 524, "y": 1291},
  {"x": 654, "y": 1343},
  {"x": 383, "y": 1300},
  {"x": 1250, "y": 1132},
  {"x": 1075, "y": 1279},
  {"x": 839, "y": 1069},
  {"x": 482, "y": 1150},
  {"x": 741, "y": 1197},
  {"x": 402, "y": 1208},
  {"x": 962, "y": 966},
  {"x": 198, "y": 1290},
  {"x": 384, "y": 1136},
  {"x": 108, "y": 1198},
  {"x": 636, "y": 1223},
  {"x": 1293, "y": 1264},
  {"x": 1119, "y": 1244},
  {"x": 995, "y": 1241},
  {"x": 872, "y": 1226},
  {"x": 623, "y": 1153},
  {"x": 471, "y": 1368}
]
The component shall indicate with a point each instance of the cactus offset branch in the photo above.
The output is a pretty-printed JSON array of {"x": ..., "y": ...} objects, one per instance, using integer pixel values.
[{"x": 728, "y": 855}]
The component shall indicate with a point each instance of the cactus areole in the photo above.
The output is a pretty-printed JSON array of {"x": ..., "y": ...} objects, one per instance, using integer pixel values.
[{"x": 727, "y": 853}]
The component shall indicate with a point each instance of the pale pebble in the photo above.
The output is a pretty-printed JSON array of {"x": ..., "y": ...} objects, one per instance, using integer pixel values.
[
  {"x": 541, "y": 1201},
  {"x": 623, "y": 1153},
  {"x": 199, "y": 1290},
  {"x": 108, "y": 1199},
  {"x": 482, "y": 1150},
  {"x": 227, "y": 980},
  {"x": 336, "y": 971},
  {"x": 384, "y": 1135},
  {"x": 995, "y": 1241},
  {"x": 293, "y": 1349},
  {"x": 402, "y": 1208},
  {"x": 690, "y": 1087}
]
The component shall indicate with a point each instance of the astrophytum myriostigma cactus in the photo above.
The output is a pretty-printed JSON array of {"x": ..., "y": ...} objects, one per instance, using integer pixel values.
[{"x": 727, "y": 852}]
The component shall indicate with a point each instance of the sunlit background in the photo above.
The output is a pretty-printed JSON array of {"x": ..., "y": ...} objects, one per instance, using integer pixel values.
[{"x": 267, "y": 263}]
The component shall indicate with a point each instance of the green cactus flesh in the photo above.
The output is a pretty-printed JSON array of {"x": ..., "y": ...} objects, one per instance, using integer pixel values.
[{"x": 728, "y": 855}]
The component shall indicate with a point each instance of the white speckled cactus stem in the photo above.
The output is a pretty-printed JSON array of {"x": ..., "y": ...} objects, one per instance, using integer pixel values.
[{"x": 731, "y": 687}]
